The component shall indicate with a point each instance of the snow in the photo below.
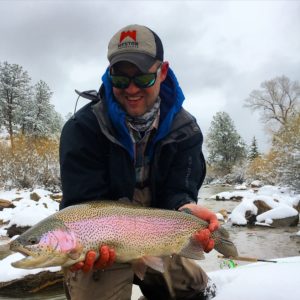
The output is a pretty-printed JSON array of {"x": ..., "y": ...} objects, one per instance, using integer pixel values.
[
  {"x": 9, "y": 273},
  {"x": 258, "y": 281},
  {"x": 27, "y": 212}
]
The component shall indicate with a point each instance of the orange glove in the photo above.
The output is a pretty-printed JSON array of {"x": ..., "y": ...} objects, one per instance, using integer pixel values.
[
  {"x": 204, "y": 236},
  {"x": 106, "y": 258}
]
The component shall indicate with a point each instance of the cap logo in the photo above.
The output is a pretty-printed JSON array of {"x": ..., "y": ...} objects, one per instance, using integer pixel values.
[
  {"x": 125, "y": 34},
  {"x": 128, "y": 44}
]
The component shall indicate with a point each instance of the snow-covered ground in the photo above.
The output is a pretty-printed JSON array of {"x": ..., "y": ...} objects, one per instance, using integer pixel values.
[
  {"x": 253, "y": 281},
  {"x": 260, "y": 281}
]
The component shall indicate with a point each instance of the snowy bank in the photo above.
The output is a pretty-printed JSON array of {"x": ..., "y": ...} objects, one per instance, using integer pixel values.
[
  {"x": 267, "y": 204},
  {"x": 259, "y": 281},
  {"x": 26, "y": 212}
]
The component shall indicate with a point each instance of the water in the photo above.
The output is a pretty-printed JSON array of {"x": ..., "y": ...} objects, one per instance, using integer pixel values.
[
  {"x": 262, "y": 243},
  {"x": 255, "y": 242}
]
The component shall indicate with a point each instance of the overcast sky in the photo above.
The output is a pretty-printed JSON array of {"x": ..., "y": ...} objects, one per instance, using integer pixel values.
[{"x": 219, "y": 50}]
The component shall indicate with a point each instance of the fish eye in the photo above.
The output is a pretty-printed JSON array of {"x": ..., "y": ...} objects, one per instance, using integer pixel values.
[{"x": 32, "y": 241}]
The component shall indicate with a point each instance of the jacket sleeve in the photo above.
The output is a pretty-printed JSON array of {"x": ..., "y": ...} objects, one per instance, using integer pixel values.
[
  {"x": 83, "y": 157},
  {"x": 183, "y": 174}
]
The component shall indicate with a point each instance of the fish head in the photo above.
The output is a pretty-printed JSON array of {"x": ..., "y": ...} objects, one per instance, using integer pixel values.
[{"x": 48, "y": 243}]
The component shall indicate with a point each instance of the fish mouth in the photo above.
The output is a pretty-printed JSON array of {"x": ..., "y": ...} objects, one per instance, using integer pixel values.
[
  {"x": 34, "y": 260},
  {"x": 31, "y": 260},
  {"x": 24, "y": 251}
]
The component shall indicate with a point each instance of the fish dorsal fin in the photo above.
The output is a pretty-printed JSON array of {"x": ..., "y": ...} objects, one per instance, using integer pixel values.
[
  {"x": 140, "y": 265},
  {"x": 192, "y": 250}
]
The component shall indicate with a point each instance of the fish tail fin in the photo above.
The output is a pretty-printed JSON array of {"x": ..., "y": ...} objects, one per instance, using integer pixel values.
[{"x": 223, "y": 243}]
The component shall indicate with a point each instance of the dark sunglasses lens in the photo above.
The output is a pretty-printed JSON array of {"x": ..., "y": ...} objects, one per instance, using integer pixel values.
[
  {"x": 145, "y": 80},
  {"x": 120, "y": 82}
]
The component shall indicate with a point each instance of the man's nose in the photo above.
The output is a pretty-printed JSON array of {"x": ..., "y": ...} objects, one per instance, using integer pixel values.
[{"x": 132, "y": 88}]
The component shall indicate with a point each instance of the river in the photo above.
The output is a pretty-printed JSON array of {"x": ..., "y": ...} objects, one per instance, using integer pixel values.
[{"x": 258, "y": 242}]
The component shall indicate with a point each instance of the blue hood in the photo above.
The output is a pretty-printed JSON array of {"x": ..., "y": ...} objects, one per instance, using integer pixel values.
[{"x": 171, "y": 102}]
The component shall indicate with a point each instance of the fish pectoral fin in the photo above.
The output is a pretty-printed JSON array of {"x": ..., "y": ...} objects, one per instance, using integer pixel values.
[
  {"x": 192, "y": 250},
  {"x": 140, "y": 265},
  {"x": 75, "y": 252}
]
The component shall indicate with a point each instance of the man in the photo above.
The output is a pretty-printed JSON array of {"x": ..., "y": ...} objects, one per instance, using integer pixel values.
[{"x": 135, "y": 141}]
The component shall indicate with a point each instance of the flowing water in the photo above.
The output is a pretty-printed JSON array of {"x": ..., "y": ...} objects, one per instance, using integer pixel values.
[{"x": 257, "y": 242}]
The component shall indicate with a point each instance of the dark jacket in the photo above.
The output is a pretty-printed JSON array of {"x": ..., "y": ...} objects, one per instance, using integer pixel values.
[{"x": 96, "y": 152}]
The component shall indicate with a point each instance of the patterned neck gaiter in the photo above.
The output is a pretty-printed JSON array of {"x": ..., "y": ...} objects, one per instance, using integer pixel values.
[{"x": 144, "y": 122}]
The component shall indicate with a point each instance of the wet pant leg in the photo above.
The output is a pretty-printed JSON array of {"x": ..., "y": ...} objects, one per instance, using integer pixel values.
[
  {"x": 182, "y": 279},
  {"x": 114, "y": 283}
]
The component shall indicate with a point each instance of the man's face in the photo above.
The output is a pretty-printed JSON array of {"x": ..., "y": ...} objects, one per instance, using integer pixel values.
[{"x": 134, "y": 100}]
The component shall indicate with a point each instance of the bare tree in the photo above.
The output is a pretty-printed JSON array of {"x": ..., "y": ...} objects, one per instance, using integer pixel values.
[{"x": 277, "y": 100}]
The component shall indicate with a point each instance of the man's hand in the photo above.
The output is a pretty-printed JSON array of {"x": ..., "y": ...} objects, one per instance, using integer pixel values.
[
  {"x": 204, "y": 236},
  {"x": 106, "y": 258}
]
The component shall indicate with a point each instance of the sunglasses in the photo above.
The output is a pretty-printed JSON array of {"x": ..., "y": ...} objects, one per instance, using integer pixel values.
[{"x": 142, "y": 81}]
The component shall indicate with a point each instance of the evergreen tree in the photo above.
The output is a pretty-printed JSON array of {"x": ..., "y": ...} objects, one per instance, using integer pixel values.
[
  {"x": 15, "y": 94},
  {"x": 225, "y": 146},
  {"x": 57, "y": 123},
  {"x": 40, "y": 117},
  {"x": 253, "y": 151}
]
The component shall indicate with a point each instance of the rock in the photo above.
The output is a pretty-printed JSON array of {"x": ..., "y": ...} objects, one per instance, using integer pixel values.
[
  {"x": 285, "y": 222},
  {"x": 250, "y": 217},
  {"x": 297, "y": 207},
  {"x": 218, "y": 198},
  {"x": 256, "y": 184},
  {"x": 56, "y": 197},
  {"x": 262, "y": 206},
  {"x": 34, "y": 196},
  {"x": 222, "y": 215},
  {"x": 6, "y": 204},
  {"x": 241, "y": 187},
  {"x": 236, "y": 198},
  {"x": 32, "y": 284},
  {"x": 15, "y": 230},
  {"x": 18, "y": 198}
]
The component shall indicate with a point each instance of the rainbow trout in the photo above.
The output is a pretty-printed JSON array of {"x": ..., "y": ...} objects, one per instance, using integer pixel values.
[{"x": 137, "y": 234}]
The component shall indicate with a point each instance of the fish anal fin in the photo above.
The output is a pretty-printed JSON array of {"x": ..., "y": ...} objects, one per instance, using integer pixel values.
[
  {"x": 140, "y": 265},
  {"x": 139, "y": 268},
  {"x": 192, "y": 250}
]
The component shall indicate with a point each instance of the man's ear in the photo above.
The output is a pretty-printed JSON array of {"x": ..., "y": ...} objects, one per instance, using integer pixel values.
[{"x": 164, "y": 70}]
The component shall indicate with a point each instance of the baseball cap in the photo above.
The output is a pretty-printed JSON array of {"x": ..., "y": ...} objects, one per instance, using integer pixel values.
[{"x": 136, "y": 44}]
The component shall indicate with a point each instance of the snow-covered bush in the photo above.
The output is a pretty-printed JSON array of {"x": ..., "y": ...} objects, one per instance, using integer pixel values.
[{"x": 32, "y": 163}]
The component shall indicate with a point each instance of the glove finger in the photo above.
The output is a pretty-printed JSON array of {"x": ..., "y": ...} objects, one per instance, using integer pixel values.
[
  {"x": 203, "y": 236},
  {"x": 103, "y": 259},
  {"x": 89, "y": 261},
  {"x": 76, "y": 267},
  {"x": 112, "y": 257},
  {"x": 210, "y": 245},
  {"x": 213, "y": 225}
]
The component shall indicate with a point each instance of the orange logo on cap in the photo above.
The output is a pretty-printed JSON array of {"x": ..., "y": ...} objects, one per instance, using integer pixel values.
[{"x": 125, "y": 34}]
